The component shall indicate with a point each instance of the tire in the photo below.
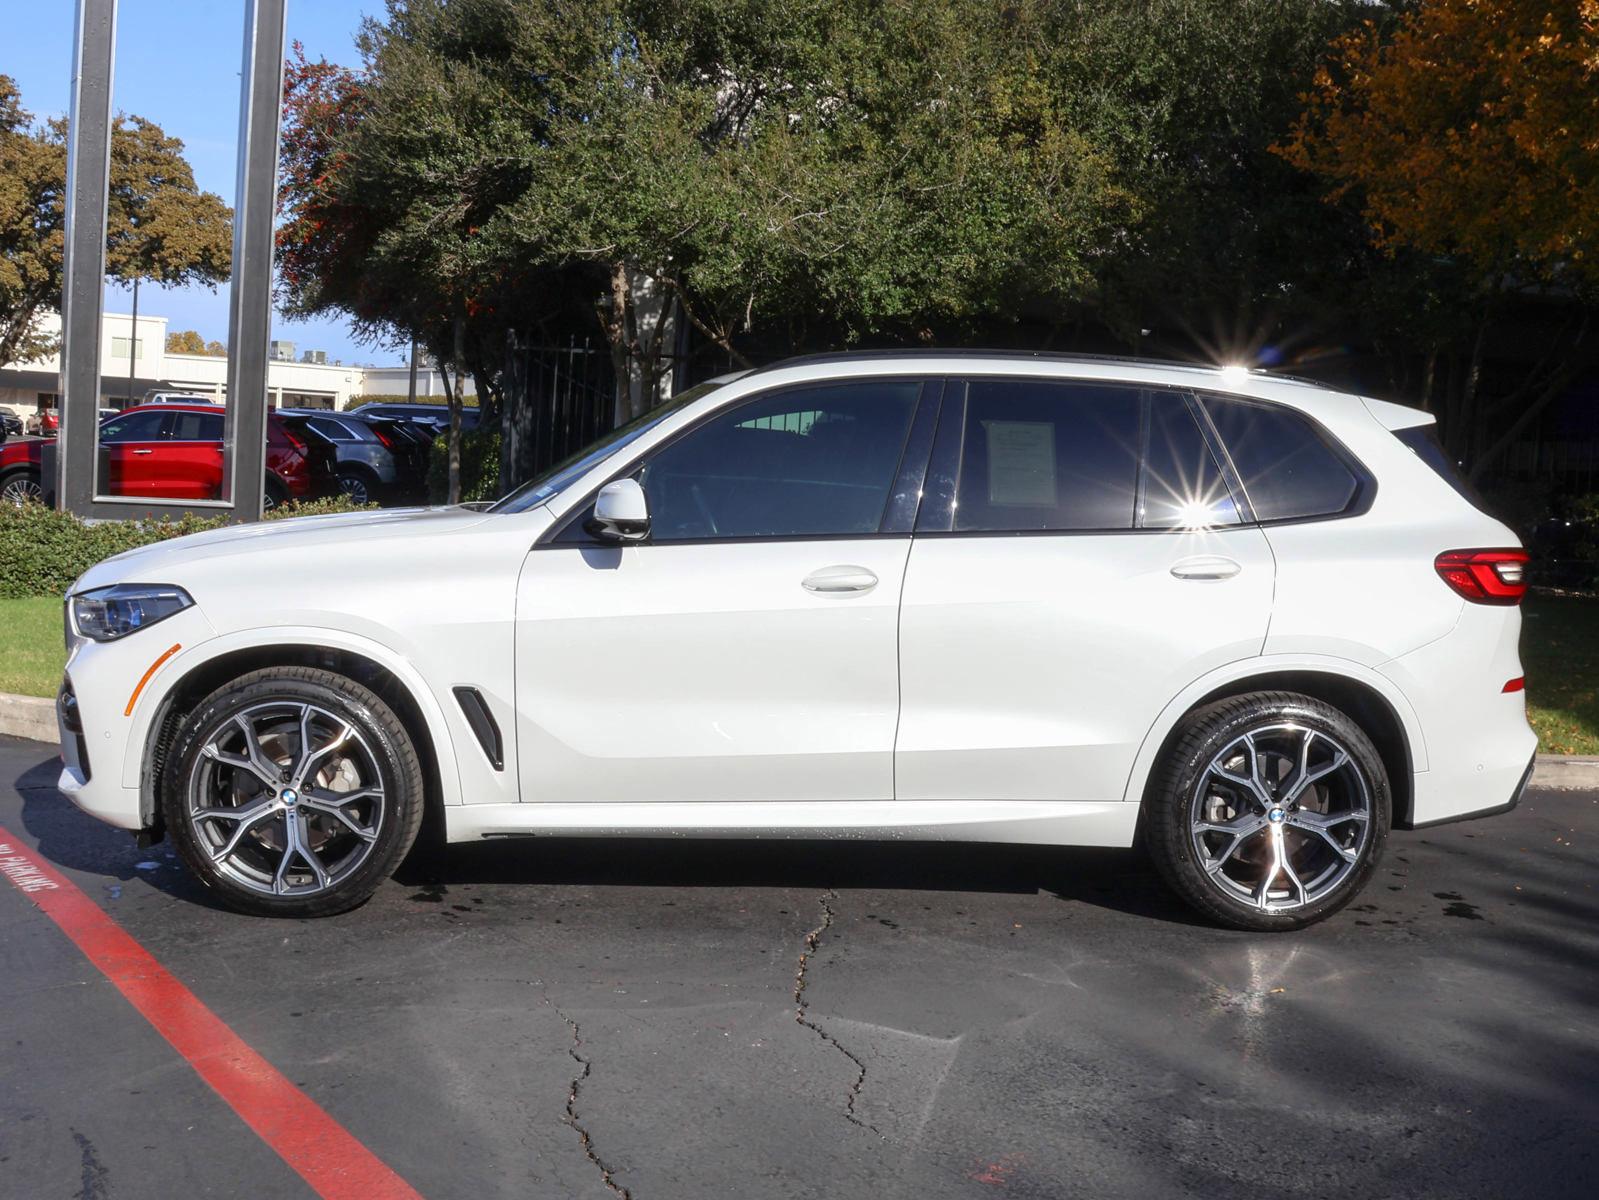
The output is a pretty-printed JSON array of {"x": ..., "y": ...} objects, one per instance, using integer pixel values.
[
  {"x": 357, "y": 484},
  {"x": 291, "y": 853},
  {"x": 1248, "y": 845},
  {"x": 273, "y": 495},
  {"x": 21, "y": 487}
]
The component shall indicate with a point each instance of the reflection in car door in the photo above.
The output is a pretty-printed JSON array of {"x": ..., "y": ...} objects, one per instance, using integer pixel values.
[
  {"x": 747, "y": 650},
  {"x": 192, "y": 455},
  {"x": 1081, "y": 558}
]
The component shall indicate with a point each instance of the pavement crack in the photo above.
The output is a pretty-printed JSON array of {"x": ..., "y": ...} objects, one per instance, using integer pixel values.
[
  {"x": 585, "y": 1068},
  {"x": 802, "y": 1010}
]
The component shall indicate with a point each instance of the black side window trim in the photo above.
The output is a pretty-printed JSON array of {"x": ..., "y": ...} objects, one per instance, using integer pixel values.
[{"x": 931, "y": 389}]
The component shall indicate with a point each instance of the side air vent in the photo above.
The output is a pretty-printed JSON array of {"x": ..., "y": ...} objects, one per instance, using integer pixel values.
[{"x": 482, "y": 722}]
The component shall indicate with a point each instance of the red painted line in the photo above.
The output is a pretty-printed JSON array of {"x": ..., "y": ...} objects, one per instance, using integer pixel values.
[{"x": 326, "y": 1155}]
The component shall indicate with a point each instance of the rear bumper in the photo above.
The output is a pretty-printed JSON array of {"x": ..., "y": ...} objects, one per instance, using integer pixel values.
[
  {"x": 1477, "y": 741},
  {"x": 1494, "y": 811}
]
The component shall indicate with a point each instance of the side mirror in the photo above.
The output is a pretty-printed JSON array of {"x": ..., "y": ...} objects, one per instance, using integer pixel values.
[{"x": 621, "y": 513}]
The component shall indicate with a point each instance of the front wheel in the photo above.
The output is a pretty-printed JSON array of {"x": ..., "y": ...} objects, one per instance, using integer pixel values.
[
  {"x": 292, "y": 791},
  {"x": 1269, "y": 812},
  {"x": 21, "y": 487}
]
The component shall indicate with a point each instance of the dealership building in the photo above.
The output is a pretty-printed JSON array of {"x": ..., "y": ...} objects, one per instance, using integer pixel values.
[{"x": 307, "y": 382}]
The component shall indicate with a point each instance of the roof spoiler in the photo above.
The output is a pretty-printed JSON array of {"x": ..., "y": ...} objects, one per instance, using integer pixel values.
[{"x": 1397, "y": 416}]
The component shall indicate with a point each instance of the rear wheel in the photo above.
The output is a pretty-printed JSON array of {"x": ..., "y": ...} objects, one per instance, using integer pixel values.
[
  {"x": 1270, "y": 811},
  {"x": 293, "y": 792},
  {"x": 357, "y": 485},
  {"x": 273, "y": 495}
]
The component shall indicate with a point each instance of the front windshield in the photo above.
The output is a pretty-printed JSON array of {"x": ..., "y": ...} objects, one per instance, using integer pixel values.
[{"x": 541, "y": 487}]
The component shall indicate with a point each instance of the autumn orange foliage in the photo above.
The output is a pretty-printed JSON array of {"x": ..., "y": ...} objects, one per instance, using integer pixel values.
[{"x": 1471, "y": 128}]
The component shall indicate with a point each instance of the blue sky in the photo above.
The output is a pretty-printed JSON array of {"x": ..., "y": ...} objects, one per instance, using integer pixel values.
[{"x": 178, "y": 65}]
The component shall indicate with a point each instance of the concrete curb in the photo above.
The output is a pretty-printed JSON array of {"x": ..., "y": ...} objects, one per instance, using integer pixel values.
[
  {"x": 28, "y": 717},
  {"x": 33, "y": 717},
  {"x": 1565, "y": 771}
]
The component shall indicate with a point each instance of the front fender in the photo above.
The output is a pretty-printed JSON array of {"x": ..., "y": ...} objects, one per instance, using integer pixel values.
[{"x": 152, "y": 701}]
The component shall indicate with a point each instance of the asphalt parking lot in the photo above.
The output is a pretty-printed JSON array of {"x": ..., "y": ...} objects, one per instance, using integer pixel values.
[{"x": 594, "y": 1019}]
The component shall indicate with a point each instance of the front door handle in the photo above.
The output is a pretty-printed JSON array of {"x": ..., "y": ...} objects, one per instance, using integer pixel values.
[
  {"x": 839, "y": 581},
  {"x": 1206, "y": 566},
  {"x": 144, "y": 452}
]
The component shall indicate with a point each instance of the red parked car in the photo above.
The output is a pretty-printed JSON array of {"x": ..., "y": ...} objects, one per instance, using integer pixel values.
[{"x": 174, "y": 451}]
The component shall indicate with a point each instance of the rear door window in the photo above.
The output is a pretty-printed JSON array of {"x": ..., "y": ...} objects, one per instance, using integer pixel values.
[
  {"x": 1183, "y": 485},
  {"x": 1289, "y": 470},
  {"x": 194, "y": 427},
  {"x": 1039, "y": 455}
]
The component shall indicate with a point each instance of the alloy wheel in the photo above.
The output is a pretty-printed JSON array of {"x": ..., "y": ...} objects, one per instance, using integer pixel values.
[
  {"x": 286, "y": 798},
  {"x": 21, "y": 490},
  {"x": 355, "y": 488},
  {"x": 1280, "y": 818}
]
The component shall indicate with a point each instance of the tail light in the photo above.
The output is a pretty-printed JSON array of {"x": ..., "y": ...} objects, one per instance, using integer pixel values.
[
  {"x": 1485, "y": 576},
  {"x": 388, "y": 442}
]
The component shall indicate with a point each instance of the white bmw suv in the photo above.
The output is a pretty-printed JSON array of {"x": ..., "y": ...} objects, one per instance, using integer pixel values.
[{"x": 1248, "y": 621}]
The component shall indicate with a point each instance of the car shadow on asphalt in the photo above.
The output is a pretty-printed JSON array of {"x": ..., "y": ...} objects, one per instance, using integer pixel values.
[{"x": 1120, "y": 880}]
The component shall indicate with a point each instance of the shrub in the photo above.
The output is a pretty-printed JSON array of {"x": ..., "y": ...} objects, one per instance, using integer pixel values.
[
  {"x": 42, "y": 551},
  {"x": 480, "y": 466}
]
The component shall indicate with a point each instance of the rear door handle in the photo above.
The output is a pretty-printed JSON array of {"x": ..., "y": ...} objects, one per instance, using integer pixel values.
[
  {"x": 144, "y": 451},
  {"x": 1206, "y": 566},
  {"x": 839, "y": 581}
]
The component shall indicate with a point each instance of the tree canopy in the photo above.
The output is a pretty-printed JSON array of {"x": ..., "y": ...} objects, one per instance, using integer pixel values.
[
  {"x": 1466, "y": 132},
  {"x": 189, "y": 341},
  {"x": 160, "y": 226},
  {"x": 1257, "y": 179}
]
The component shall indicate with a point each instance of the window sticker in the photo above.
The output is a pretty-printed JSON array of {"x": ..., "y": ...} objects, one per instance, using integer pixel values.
[{"x": 1021, "y": 463}]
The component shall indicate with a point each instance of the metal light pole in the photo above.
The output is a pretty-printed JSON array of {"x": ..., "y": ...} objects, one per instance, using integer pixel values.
[{"x": 133, "y": 339}]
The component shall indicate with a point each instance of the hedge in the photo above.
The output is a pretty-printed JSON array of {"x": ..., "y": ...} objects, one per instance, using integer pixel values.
[
  {"x": 42, "y": 551},
  {"x": 480, "y": 466}
]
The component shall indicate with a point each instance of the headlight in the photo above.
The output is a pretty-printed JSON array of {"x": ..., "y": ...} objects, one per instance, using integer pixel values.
[{"x": 109, "y": 613}]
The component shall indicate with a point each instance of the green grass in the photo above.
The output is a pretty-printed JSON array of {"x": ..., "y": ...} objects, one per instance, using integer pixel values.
[
  {"x": 1559, "y": 648},
  {"x": 31, "y": 653},
  {"x": 1560, "y": 651}
]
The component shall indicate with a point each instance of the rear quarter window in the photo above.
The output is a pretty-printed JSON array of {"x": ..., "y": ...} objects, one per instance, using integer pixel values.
[{"x": 1289, "y": 469}]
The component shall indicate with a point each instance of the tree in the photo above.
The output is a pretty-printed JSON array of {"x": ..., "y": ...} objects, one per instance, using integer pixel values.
[
  {"x": 1468, "y": 132},
  {"x": 189, "y": 341},
  {"x": 754, "y": 169},
  {"x": 32, "y": 186},
  {"x": 160, "y": 227}
]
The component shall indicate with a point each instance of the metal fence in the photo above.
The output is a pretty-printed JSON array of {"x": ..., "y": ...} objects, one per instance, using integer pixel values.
[
  {"x": 571, "y": 391},
  {"x": 1571, "y": 466}
]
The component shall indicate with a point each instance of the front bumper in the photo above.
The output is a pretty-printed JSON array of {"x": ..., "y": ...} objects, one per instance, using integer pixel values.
[{"x": 109, "y": 698}]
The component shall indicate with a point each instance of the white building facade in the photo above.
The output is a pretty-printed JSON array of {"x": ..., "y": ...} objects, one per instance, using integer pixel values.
[{"x": 30, "y": 387}]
